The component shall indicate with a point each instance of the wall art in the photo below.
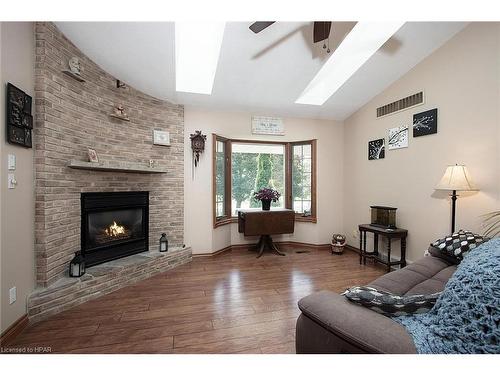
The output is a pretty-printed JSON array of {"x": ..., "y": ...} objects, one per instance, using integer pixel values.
[
  {"x": 376, "y": 149},
  {"x": 19, "y": 119},
  {"x": 425, "y": 123},
  {"x": 398, "y": 138},
  {"x": 161, "y": 138},
  {"x": 267, "y": 125}
]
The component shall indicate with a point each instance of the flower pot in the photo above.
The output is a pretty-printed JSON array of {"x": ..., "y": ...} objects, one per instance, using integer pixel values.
[{"x": 266, "y": 204}]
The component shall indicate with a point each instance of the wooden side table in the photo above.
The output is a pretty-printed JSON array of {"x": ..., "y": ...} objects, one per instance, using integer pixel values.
[
  {"x": 384, "y": 232},
  {"x": 264, "y": 224}
]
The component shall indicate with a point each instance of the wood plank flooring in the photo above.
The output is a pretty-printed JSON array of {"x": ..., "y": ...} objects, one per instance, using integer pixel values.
[{"x": 229, "y": 303}]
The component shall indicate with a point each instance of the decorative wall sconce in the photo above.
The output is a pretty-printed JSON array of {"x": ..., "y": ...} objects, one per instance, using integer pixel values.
[
  {"x": 120, "y": 84},
  {"x": 119, "y": 113},
  {"x": 75, "y": 69},
  {"x": 197, "y": 145}
]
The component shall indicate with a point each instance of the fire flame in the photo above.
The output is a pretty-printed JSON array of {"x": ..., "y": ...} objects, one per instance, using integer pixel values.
[{"x": 114, "y": 230}]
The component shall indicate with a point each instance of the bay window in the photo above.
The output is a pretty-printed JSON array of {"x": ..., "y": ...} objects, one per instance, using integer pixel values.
[{"x": 243, "y": 167}]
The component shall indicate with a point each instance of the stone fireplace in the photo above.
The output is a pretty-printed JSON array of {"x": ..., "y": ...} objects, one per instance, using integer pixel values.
[
  {"x": 113, "y": 225},
  {"x": 70, "y": 118},
  {"x": 116, "y": 210}
]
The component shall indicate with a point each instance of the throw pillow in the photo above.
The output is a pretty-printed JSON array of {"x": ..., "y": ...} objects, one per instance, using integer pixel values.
[
  {"x": 390, "y": 304},
  {"x": 454, "y": 247}
]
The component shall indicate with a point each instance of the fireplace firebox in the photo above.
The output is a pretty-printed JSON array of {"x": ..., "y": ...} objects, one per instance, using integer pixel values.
[{"x": 113, "y": 225}]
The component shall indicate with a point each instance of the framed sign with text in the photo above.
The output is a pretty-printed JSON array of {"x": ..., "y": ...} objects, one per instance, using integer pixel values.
[{"x": 267, "y": 125}]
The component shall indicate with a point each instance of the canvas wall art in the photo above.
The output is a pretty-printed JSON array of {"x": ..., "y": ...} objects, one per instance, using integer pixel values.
[
  {"x": 19, "y": 119},
  {"x": 398, "y": 138},
  {"x": 376, "y": 149},
  {"x": 425, "y": 123}
]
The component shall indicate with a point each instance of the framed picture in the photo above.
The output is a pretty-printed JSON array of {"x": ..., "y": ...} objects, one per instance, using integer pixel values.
[
  {"x": 19, "y": 120},
  {"x": 92, "y": 155},
  {"x": 425, "y": 123},
  {"x": 161, "y": 138},
  {"x": 376, "y": 149},
  {"x": 267, "y": 125},
  {"x": 398, "y": 138}
]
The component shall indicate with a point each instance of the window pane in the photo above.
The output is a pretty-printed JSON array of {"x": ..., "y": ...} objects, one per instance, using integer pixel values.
[
  {"x": 301, "y": 178},
  {"x": 220, "y": 178},
  {"x": 253, "y": 167}
]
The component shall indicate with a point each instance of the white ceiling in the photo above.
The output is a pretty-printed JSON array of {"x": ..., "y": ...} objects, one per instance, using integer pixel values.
[{"x": 261, "y": 73}]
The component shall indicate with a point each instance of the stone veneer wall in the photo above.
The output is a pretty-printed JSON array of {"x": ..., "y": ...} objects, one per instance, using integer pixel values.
[{"x": 71, "y": 117}]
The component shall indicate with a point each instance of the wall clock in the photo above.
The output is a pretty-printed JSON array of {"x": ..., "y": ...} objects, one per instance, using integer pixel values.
[{"x": 197, "y": 145}]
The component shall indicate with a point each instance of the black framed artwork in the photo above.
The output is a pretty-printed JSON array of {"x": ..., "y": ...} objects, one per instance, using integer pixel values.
[
  {"x": 425, "y": 123},
  {"x": 19, "y": 119},
  {"x": 376, "y": 149}
]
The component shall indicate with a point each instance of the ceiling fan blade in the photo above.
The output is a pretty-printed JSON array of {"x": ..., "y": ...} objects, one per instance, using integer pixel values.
[
  {"x": 321, "y": 31},
  {"x": 257, "y": 27}
]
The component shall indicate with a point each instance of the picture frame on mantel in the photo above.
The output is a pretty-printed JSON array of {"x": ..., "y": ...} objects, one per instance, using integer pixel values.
[
  {"x": 92, "y": 154},
  {"x": 265, "y": 125}
]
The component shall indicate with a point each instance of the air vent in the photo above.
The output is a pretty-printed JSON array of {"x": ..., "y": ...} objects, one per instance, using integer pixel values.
[{"x": 401, "y": 104}]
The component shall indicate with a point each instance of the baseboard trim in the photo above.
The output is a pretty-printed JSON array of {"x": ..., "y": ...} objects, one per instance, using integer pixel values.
[
  {"x": 352, "y": 248},
  {"x": 247, "y": 246},
  {"x": 14, "y": 330},
  {"x": 218, "y": 252}
]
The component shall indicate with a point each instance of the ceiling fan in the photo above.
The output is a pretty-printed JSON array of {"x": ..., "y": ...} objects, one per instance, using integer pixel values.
[{"x": 321, "y": 29}]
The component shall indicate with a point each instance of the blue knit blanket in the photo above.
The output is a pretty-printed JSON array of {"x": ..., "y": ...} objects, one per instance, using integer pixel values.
[{"x": 466, "y": 317}]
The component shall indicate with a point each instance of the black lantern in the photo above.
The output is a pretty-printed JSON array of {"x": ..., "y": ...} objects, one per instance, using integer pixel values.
[
  {"x": 77, "y": 265},
  {"x": 163, "y": 243}
]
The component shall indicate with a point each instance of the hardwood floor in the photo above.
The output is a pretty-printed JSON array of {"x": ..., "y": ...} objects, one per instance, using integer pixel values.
[{"x": 230, "y": 303}]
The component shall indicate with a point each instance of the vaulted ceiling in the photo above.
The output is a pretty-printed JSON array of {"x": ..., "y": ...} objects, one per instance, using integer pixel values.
[{"x": 261, "y": 73}]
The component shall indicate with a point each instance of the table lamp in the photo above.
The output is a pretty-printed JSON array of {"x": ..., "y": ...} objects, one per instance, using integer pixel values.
[{"x": 456, "y": 177}]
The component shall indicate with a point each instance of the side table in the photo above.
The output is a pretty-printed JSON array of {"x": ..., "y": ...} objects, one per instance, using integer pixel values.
[{"x": 384, "y": 232}]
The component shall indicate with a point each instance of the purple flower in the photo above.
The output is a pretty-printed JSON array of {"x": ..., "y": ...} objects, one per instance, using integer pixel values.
[{"x": 267, "y": 194}]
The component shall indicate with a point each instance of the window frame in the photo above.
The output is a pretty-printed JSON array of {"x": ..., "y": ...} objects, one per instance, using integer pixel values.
[
  {"x": 298, "y": 216},
  {"x": 226, "y": 218},
  {"x": 288, "y": 155}
]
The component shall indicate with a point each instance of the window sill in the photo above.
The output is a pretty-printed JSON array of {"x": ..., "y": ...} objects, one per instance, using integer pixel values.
[
  {"x": 234, "y": 219},
  {"x": 225, "y": 221},
  {"x": 306, "y": 219}
]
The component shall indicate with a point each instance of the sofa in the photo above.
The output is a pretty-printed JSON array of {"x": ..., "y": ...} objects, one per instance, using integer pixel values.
[{"x": 329, "y": 323}]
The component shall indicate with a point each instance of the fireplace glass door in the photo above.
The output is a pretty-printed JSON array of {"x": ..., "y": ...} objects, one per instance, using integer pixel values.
[
  {"x": 114, "y": 225},
  {"x": 109, "y": 227}
]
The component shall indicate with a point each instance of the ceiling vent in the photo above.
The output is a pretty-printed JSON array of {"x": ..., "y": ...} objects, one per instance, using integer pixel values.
[{"x": 401, "y": 104}]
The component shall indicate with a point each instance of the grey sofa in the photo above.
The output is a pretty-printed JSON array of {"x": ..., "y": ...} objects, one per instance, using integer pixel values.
[{"x": 329, "y": 323}]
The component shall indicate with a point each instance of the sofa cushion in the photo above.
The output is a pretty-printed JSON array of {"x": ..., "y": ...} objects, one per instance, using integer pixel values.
[
  {"x": 358, "y": 326},
  {"x": 452, "y": 248},
  {"x": 390, "y": 304},
  {"x": 425, "y": 276}
]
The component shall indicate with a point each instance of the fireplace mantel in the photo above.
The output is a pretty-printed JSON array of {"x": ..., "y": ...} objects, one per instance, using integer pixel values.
[{"x": 121, "y": 167}]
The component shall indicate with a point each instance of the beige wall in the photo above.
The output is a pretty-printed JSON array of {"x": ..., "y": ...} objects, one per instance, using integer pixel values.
[
  {"x": 199, "y": 232},
  {"x": 461, "y": 79},
  {"x": 17, "y": 206}
]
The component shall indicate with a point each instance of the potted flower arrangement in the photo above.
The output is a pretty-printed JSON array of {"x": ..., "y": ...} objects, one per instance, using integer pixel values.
[{"x": 266, "y": 196}]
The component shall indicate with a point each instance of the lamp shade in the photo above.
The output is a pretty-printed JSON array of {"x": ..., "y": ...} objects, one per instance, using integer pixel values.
[{"x": 456, "y": 177}]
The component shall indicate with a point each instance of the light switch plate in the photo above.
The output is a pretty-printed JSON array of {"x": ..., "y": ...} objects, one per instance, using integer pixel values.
[
  {"x": 11, "y": 162},
  {"x": 11, "y": 181},
  {"x": 12, "y": 295}
]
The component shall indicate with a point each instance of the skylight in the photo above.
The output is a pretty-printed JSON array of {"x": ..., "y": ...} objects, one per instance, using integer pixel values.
[
  {"x": 358, "y": 46},
  {"x": 197, "y": 49}
]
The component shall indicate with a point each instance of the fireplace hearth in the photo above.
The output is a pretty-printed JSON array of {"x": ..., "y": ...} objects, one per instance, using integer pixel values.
[{"x": 113, "y": 225}]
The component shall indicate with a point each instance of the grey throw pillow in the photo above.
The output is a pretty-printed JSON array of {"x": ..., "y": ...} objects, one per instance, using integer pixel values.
[
  {"x": 390, "y": 304},
  {"x": 454, "y": 247}
]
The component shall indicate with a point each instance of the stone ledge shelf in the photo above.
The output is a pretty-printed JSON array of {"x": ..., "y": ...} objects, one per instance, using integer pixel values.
[
  {"x": 102, "y": 279},
  {"x": 121, "y": 167}
]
